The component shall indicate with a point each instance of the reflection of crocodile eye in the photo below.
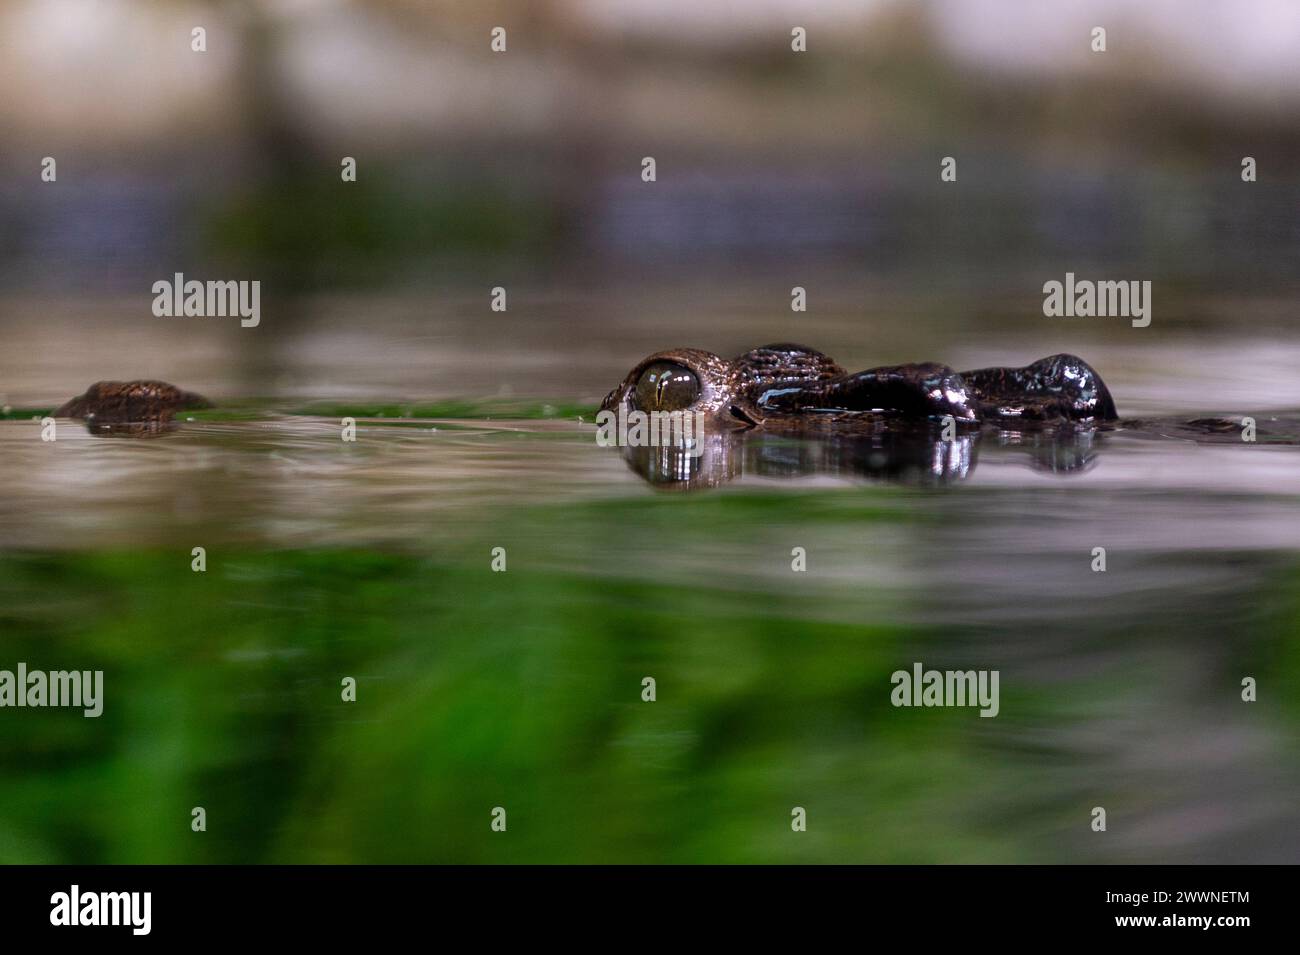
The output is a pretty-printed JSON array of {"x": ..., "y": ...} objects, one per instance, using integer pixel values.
[{"x": 666, "y": 386}]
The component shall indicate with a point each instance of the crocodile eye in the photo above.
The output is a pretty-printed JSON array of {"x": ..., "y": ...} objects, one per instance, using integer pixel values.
[{"x": 666, "y": 386}]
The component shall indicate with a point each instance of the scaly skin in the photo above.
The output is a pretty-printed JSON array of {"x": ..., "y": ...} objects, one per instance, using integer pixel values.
[
  {"x": 791, "y": 387},
  {"x": 130, "y": 402}
]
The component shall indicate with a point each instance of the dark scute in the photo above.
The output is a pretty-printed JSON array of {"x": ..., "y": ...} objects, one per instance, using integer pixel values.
[
  {"x": 780, "y": 364},
  {"x": 917, "y": 390},
  {"x": 1059, "y": 386}
]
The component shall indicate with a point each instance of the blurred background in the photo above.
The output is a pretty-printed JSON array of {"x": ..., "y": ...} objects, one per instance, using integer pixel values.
[{"x": 522, "y": 169}]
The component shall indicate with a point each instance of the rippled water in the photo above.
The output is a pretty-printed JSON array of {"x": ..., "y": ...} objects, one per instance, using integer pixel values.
[{"x": 523, "y": 689}]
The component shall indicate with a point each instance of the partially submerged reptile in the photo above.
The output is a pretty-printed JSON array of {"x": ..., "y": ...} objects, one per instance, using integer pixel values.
[
  {"x": 779, "y": 386},
  {"x": 877, "y": 423},
  {"x": 791, "y": 387},
  {"x": 132, "y": 407},
  {"x": 880, "y": 422}
]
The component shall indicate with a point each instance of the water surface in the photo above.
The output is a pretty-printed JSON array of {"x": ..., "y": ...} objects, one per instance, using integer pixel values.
[{"x": 522, "y": 689}]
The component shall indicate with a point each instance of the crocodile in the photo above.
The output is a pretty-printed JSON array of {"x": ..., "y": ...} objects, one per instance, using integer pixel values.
[
  {"x": 794, "y": 388},
  {"x": 130, "y": 407}
]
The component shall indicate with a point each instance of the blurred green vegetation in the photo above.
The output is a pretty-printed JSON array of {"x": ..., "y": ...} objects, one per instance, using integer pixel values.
[
  {"x": 478, "y": 409},
  {"x": 520, "y": 409},
  {"x": 476, "y": 689},
  {"x": 310, "y": 229},
  {"x": 523, "y": 690}
]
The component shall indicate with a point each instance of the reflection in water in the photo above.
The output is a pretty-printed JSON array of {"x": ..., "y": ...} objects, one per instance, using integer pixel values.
[
  {"x": 913, "y": 456},
  {"x": 131, "y": 429},
  {"x": 327, "y": 557},
  {"x": 918, "y": 456}
]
